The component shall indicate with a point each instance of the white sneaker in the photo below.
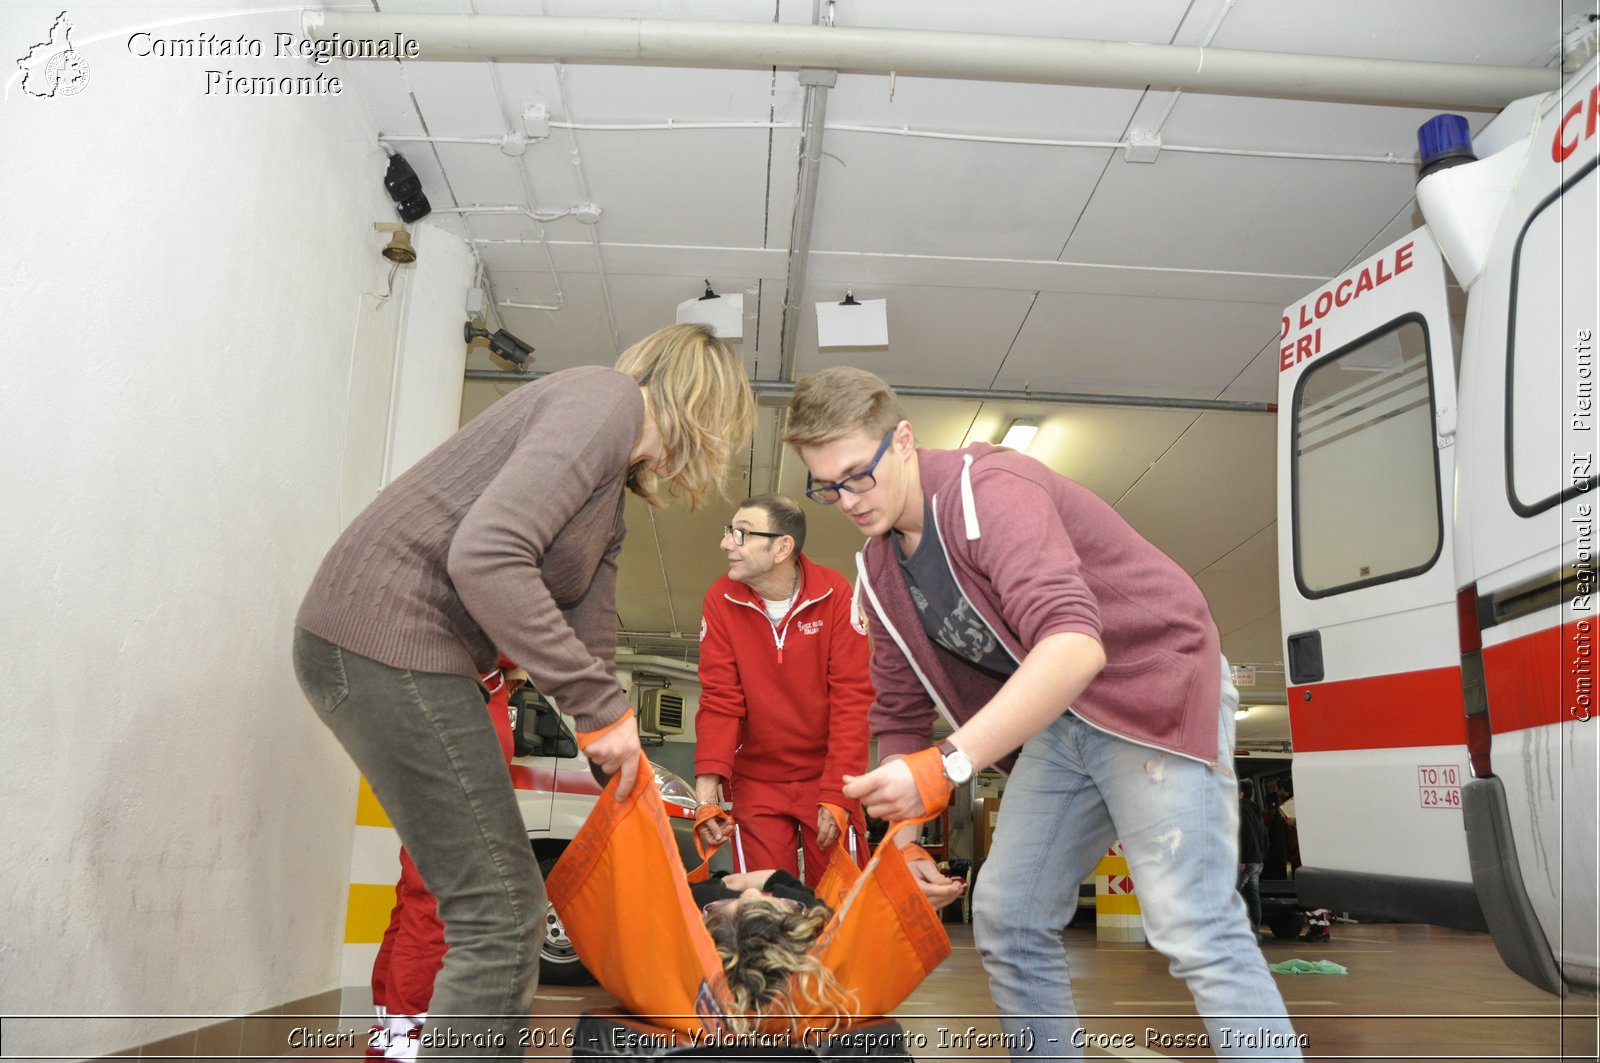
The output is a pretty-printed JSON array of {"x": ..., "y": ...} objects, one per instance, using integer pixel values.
[
  {"x": 378, "y": 1036},
  {"x": 405, "y": 1048},
  {"x": 405, "y": 1037}
]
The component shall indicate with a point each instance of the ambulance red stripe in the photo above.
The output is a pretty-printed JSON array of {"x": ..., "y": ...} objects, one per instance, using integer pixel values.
[
  {"x": 1379, "y": 712},
  {"x": 1532, "y": 681},
  {"x": 1540, "y": 679}
]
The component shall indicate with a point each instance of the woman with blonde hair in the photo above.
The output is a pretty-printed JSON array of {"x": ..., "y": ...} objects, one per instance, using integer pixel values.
[
  {"x": 506, "y": 535},
  {"x": 764, "y": 925}
]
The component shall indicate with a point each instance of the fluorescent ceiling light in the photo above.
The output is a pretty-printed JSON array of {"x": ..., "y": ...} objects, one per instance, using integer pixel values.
[{"x": 1020, "y": 434}]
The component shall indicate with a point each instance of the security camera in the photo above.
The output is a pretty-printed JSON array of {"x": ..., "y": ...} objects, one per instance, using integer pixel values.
[
  {"x": 405, "y": 188},
  {"x": 501, "y": 343}
]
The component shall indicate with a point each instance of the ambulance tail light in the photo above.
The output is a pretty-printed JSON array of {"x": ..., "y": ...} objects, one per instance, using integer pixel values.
[
  {"x": 1467, "y": 628},
  {"x": 1475, "y": 699}
]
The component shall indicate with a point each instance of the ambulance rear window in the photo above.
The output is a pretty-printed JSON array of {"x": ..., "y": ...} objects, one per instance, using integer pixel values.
[
  {"x": 1366, "y": 505},
  {"x": 1550, "y": 363}
]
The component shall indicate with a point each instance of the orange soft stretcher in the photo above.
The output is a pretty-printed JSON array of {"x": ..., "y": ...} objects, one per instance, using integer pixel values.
[{"x": 623, "y": 896}]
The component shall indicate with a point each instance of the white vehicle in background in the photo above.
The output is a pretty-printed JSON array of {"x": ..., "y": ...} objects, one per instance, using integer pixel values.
[
  {"x": 1437, "y": 550},
  {"x": 556, "y": 792}
]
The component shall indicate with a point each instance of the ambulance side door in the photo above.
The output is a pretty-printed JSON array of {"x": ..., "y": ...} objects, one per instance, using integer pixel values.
[{"x": 1365, "y": 494}]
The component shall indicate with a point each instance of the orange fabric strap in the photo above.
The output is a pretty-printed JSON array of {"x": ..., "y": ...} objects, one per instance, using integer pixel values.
[
  {"x": 705, "y": 812},
  {"x": 585, "y": 737},
  {"x": 840, "y": 818},
  {"x": 927, "y": 771},
  {"x": 912, "y": 851}
]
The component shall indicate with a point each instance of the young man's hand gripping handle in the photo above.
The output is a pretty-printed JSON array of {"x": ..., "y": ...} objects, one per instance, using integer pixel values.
[{"x": 1045, "y": 685}]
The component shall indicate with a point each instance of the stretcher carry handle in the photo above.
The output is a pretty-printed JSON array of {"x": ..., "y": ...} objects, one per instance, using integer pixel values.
[{"x": 705, "y": 812}]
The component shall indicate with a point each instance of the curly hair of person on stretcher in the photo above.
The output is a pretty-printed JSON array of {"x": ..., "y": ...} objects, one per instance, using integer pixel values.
[{"x": 765, "y": 945}]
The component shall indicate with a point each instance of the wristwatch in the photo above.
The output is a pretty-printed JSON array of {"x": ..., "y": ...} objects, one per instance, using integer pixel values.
[{"x": 957, "y": 765}]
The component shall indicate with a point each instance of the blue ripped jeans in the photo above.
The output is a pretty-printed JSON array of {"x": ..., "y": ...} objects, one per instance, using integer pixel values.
[{"x": 1074, "y": 792}]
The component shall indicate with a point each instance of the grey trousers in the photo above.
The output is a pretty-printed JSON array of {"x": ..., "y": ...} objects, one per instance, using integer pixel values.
[{"x": 429, "y": 751}]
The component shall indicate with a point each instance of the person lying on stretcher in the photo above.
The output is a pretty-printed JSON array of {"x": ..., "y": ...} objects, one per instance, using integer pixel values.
[{"x": 764, "y": 923}]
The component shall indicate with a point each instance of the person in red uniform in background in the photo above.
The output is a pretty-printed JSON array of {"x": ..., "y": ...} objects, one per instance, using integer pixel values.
[
  {"x": 784, "y": 695},
  {"x": 413, "y": 945}
]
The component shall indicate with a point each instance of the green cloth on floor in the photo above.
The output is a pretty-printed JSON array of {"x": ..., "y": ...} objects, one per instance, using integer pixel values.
[{"x": 1308, "y": 967}]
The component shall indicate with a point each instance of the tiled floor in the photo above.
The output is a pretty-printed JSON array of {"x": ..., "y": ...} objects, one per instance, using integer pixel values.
[{"x": 1411, "y": 993}]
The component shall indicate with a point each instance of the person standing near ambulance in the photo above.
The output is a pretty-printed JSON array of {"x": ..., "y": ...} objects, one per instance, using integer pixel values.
[
  {"x": 413, "y": 946},
  {"x": 505, "y": 536},
  {"x": 784, "y": 696},
  {"x": 1028, "y": 609}
]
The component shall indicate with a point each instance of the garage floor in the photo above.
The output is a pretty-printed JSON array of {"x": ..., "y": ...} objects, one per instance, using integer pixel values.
[{"x": 1412, "y": 993}]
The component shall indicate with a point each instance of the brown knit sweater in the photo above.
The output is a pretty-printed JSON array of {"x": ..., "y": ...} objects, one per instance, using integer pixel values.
[{"x": 503, "y": 537}]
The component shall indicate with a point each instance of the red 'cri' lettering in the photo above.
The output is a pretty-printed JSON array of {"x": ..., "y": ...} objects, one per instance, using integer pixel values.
[{"x": 1560, "y": 147}]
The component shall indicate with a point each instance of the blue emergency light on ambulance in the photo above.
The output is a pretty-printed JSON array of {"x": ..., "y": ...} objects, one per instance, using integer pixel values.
[{"x": 1444, "y": 141}]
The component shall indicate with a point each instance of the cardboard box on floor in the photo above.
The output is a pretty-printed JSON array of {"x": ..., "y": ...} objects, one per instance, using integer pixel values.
[{"x": 986, "y": 810}]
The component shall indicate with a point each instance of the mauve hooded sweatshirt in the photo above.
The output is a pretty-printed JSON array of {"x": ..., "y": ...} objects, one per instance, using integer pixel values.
[{"x": 1038, "y": 554}]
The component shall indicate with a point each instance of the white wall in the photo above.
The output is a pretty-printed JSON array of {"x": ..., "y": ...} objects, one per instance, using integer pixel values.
[
  {"x": 432, "y": 364},
  {"x": 192, "y": 398}
]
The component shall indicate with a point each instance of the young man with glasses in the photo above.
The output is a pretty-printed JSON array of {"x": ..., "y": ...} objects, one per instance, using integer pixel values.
[
  {"x": 1027, "y": 609},
  {"x": 784, "y": 696}
]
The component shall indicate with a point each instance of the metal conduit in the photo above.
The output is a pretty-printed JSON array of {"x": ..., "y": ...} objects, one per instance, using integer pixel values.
[
  {"x": 817, "y": 83},
  {"x": 779, "y": 389},
  {"x": 945, "y": 54}
]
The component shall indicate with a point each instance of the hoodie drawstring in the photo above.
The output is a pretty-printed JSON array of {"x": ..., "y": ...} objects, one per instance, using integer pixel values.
[{"x": 969, "y": 508}]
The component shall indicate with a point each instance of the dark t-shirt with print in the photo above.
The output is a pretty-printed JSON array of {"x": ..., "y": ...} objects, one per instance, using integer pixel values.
[{"x": 948, "y": 617}]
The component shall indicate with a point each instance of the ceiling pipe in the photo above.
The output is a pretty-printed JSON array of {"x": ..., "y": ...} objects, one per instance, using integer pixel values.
[
  {"x": 945, "y": 54},
  {"x": 780, "y": 389},
  {"x": 814, "y": 118},
  {"x": 817, "y": 83}
]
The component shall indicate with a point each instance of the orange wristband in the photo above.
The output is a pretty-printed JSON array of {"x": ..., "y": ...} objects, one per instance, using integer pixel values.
[
  {"x": 585, "y": 737},
  {"x": 927, "y": 771}
]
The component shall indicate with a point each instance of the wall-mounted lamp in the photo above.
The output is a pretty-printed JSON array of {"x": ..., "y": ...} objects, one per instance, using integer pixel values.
[
  {"x": 503, "y": 346},
  {"x": 1020, "y": 435},
  {"x": 399, "y": 250},
  {"x": 405, "y": 188},
  {"x": 853, "y": 323},
  {"x": 723, "y": 314}
]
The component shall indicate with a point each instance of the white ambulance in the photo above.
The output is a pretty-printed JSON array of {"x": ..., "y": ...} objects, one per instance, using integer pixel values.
[
  {"x": 1437, "y": 549},
  {"x": 556, "y": 790}
]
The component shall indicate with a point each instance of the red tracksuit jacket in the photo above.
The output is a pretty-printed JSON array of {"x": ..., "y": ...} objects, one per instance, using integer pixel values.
[{"x": 785, "y": 702}]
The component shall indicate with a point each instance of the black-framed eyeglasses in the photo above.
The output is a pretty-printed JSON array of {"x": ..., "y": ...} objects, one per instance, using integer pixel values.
[
  {"x": 856, "y": 484},
  {"x": 738, "y": 534}
]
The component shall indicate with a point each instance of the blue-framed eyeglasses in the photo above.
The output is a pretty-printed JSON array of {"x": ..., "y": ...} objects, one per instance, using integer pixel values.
[{"x": 856, "y": 484}]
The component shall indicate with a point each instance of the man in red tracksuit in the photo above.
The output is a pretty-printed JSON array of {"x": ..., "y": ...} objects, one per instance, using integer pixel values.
[{"x": 784, "y": 695}]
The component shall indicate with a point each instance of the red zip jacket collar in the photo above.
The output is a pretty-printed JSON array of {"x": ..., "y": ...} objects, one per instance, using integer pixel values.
[{"x": 746, "y": 596}]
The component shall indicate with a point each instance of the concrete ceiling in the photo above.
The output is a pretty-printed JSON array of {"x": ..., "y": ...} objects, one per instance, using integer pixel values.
[{"x": 1006, "y": 266}]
